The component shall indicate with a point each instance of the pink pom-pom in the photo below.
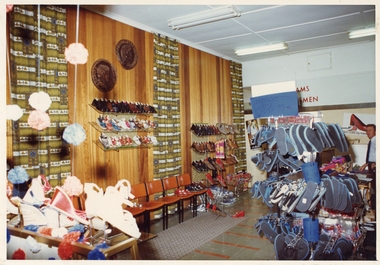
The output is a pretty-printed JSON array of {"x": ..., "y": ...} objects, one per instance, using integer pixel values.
[
  {"x": 72, "y": 186},
  {"x": 38, "y": 120},
  {"x": 8, "y": 8},
  {"x": 76, "y": 53}
]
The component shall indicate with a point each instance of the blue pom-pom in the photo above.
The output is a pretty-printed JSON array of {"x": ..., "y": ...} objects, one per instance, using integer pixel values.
[
  {"x": 96, "y": 254},
  {"x": 32, "y": 228},
  {"x": 18, "y": 175},
  {"x": 51, "y": 258},
  {"x": 74, "y": 134},
  {"x": 75, "y": 228},
  {"x": 8, "y": 235},
  {"x": 102, "y": 245}
]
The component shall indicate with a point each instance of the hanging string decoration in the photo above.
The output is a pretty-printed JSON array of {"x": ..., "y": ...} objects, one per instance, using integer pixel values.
[
  {"x": 74, "y": 134},
  {"x": 76, "y": 53}
]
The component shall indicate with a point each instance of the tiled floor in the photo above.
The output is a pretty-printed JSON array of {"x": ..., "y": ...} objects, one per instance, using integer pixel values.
[{"x": 241, "y": 242}]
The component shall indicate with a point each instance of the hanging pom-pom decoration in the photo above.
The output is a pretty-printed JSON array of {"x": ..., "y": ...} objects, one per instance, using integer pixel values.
[
  {"x": 8, "y": 8},
  {"x": 18, "y": 175},
  {"x": 72, "y": 187},
  {"x": 40, "y": 101},
  {"x": 74, "y": 134},
  {"x": 76, "y": 53},
  {"x": 19, "y": 254},
  {"x": 38, "y": 120},
  {"x": 13, "y": 112}
]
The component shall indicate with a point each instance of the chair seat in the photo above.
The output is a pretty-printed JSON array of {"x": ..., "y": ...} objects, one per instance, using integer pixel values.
[
  {"x": 135, "y": 211},
  {"x": 169, "y": 199},
  {"x": 152, "y": 205}
]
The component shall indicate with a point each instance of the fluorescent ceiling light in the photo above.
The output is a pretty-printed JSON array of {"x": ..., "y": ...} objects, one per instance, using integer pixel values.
[
  {"x": 361, "y": 33},
  {"x": 261, "y": 49},
  {"x": 204, "y": 17}
]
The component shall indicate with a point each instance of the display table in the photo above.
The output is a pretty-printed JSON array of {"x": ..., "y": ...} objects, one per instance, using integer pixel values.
[{"x": 117, "y": 243}]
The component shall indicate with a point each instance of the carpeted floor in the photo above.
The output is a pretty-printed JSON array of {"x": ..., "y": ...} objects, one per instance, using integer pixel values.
[{"x": 181, "y": 239}]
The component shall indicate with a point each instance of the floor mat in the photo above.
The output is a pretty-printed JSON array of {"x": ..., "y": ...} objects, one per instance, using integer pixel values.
[{"x": 181, "y": 239}]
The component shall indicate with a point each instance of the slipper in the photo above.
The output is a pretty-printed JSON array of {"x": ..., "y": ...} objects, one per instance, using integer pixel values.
[
  {"x": 344, "y": 199},
  {"x": 265, "y": 190},
  {"x": 342, "y": 137},
  {"x": 295, "y": 198},
  {"x": 301, "y": 136},
  {"x": 321, "y": 134},
  {"x": 268, "y": 231},
  {"x": 293, "y": 136},
  {"x": 280, "y": 136},
  {"x": 329, "y": 195},
  {"x": 318, "y": 198},
  {"x": 313, "y": 140},
  {"x": 290, "y": 144},
  {"x": 322, "y": 243},
  {"x": 307, "y": 197},
  {"x": 327, "y": 133},
  {"x": 335, "y": 136},
  {"x": 342, "y": 249},
  {"x": 278, "y": 196},
  {"x": 339, "y": 194},
  {"x": 356, "y": 192}
]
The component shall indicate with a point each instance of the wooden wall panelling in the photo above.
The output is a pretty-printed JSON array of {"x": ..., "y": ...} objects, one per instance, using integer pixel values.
[
  {"x": 92, "y": 164},
  {"x": 202, "y": 96},
  {"x": 184, "y": 107}
]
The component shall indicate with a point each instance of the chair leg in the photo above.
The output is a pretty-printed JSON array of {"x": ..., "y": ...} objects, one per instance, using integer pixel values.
[
  {"x": 180, "y": 211},
  {"x": 147, "y": 221},
  {"x": 165, "y": 217},
  {"x": 195, "y": 206}
]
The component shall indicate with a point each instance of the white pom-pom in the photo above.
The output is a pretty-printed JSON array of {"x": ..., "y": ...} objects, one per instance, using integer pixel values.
[
  {"x": 13, "y": 112},
  {"x": 58, "y": 232},
  {"x": 40, "y": 100}
]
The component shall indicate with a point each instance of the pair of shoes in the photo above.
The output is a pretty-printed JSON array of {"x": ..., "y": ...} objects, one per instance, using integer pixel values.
[
  {"x": 182, "y": 193},
  {"x": 209, "y": 179},
  {"x": 221, "y": 180},
  {"x": 239, "y": 214}
]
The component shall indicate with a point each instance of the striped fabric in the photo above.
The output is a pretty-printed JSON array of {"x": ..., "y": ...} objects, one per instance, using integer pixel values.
[
  {"x": 238, "y": 113},
  {"x": 37, "y": 63}
]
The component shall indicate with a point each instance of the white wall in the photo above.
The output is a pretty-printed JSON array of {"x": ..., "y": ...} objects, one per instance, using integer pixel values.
[{"x": 342, "y": 75}]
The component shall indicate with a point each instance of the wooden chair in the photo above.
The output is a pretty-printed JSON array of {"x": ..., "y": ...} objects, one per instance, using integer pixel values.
[
  {"x": 185, "y": 180},
  {"x": 171, "y": 183},
  {"x": 147, "y": 206},
  {"x": 155, "y": 187}
]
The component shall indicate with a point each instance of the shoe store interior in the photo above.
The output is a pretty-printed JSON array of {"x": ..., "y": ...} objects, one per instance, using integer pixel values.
[{"x": 190, "y": 132}]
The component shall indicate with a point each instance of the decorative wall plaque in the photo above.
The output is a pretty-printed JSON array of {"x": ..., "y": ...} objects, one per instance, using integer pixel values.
[
  {"x": 126, "y": 54},
  {"x": 103, "y": 75}
]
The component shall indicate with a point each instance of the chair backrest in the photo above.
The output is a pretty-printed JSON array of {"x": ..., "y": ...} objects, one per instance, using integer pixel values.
[
  {"x": 154, "y": 186},
  {"x": 139, "y": 190},
  {"x": 170, "y": 183},
  {"x": 184, "y": 179}
]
